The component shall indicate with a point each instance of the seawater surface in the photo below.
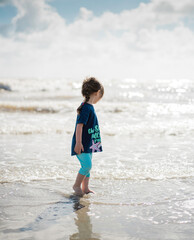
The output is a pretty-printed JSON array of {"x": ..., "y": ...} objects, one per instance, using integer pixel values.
[{"x": 143, "y": 179}]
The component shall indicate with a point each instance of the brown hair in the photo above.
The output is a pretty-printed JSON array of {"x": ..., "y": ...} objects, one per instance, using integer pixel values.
[{"x": 89, "y": 86}]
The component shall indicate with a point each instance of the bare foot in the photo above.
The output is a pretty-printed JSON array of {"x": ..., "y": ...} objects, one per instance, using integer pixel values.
[
  {"x": 78, "y": 191},
  {"x": 86, "y": 191}
]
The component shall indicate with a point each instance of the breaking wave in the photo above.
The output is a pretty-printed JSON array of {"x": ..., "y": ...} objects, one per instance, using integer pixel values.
[{"x": 14, "y": 108}]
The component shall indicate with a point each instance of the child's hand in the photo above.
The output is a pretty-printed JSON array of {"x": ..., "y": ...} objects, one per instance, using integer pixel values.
[{"x": 78, "y": 148}]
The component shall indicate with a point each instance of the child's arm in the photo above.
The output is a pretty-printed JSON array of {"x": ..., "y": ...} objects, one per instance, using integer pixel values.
[{"x": 78, "y": 145}]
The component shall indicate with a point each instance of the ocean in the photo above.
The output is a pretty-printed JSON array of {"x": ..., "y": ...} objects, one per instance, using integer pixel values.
[{"x": 143, "y": 180}]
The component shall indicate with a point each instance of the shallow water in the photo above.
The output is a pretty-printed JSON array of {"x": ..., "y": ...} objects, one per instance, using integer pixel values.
[{"x": 143, "y": 179}]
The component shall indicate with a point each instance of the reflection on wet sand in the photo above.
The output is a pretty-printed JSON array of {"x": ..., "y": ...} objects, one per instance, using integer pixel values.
[
  {"x": 50, "y": 215},
  {"x": 84, "y": 225},
  {"x": 56, "y": 211}
]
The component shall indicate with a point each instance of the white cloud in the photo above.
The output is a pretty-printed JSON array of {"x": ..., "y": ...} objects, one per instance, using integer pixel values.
[
  {"x": 35, "y": 16},
  {"x": 134, "y": 43},
  {"x": 85, "y": 14}
]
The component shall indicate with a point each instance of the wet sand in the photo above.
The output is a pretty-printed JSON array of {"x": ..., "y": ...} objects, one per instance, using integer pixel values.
[
  {"x": 143, "y": 179},
  {"x": 44, "y": 210}
]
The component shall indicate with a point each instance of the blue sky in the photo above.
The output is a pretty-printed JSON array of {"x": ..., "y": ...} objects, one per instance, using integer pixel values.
[
  {"x": 7, "y": 12},
  {"x": 69, "y": 9},
  {"x": 106, "y": 38}
]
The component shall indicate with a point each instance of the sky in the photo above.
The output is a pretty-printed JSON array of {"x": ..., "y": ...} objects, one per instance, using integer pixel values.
[{"x": 150, "y": 39}]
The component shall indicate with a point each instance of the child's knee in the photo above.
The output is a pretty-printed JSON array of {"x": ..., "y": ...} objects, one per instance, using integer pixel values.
[
  {"x": 87, "y": 168},
  {"x": 88, "y": 175},
  {"x": 86, "y": 165}
]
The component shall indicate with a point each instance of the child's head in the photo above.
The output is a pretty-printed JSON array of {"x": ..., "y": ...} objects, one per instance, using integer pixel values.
[{"x": 91, "y": 88}]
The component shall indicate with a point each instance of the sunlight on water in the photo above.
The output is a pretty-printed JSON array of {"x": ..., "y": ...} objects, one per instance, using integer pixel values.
[{"x": 143, "y": 179}]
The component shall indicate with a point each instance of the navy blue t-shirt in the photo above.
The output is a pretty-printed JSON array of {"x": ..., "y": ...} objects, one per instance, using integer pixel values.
[{"x": 91, "y": 139}]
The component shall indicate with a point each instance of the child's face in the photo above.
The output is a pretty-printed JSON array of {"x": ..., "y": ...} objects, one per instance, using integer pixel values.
[{"x": 97, "y": 96}]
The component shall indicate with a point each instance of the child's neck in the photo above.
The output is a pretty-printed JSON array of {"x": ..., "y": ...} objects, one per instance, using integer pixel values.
[{"x": 91, "y": 100}]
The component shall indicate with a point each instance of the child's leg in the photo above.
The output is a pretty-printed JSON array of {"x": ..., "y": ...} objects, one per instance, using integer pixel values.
[
  {"x": 85, "y": 184},
  {"x": 86, "y": 164},
  {"x": 77, "y": 184},
  {"x": 85, "y": 181}
]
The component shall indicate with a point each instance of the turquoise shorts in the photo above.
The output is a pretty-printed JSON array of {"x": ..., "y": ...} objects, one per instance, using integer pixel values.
[{"x": 86, "y": 163}]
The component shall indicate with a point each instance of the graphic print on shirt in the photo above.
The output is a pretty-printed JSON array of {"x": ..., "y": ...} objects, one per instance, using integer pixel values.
[
  {"x": 96, "y": 146},
  {"x": 91, "y": 139},
  {"x": 96, "y": 140}
]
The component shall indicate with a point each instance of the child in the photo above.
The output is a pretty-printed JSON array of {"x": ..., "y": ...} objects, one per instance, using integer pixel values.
[{"x": 86, "y": 139}]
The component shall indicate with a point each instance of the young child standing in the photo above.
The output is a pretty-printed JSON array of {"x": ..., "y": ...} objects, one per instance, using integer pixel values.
[{"x": 86, "y": 139}]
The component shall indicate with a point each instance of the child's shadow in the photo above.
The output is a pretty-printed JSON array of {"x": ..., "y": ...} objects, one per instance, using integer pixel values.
[{"x": 59, "y": 209}]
